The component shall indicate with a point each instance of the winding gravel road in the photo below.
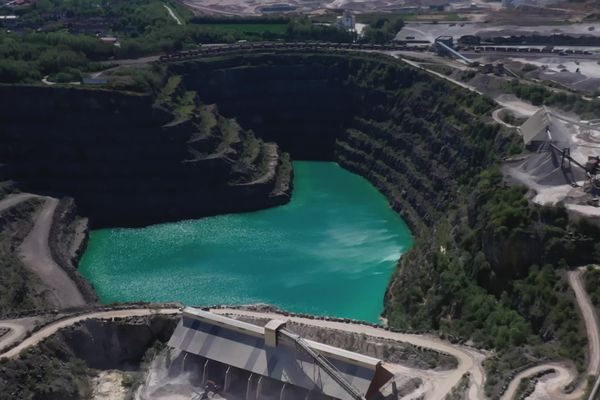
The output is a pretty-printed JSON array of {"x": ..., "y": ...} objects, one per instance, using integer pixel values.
[
  {"x": 436, "y": 384},
  {"x": 439, "y": 382},
  {"x": 54, "y": 327},
  {"x": 553, "y": 386},
  {"x": 34, "y": 251},
  {"x": 35, "y": 254},
  {"x": 14, "y": 199}
]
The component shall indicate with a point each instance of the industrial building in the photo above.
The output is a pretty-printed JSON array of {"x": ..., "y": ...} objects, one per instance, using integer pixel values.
[
  {"x": 247, "y": 361},
  {"x": 542, "y": 127}
]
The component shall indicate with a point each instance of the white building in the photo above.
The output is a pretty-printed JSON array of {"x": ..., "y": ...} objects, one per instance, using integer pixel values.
[{"x": 347, "y": 21}]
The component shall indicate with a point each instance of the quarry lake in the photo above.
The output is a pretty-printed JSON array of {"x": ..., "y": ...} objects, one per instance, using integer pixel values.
[{"x": 330, "y": 251}]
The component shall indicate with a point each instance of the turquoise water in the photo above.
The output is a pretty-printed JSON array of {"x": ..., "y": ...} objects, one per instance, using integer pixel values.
[{"x": 330, "y": 251}]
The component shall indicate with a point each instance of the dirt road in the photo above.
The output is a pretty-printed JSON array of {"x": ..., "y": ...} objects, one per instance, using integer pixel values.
[
  {"x": 35, "y": 254},
  {"x": 52, "y": 328},
  {"x": 590, "y": 318},
  {"x": 18, "y": 330},
  {"x": 13, "y": 200},
  {"x": 436, "y": 383},
  {"x": 553, "y": 386},
  {"x": 172, "y": 14},
  {"x": 440, "y": 382}
]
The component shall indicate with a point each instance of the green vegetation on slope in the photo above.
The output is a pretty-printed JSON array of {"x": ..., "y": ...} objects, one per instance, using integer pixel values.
[
  {"x": 487, "y": 265},
  {"x": 592, "y": 284},
  {"x": 497, "y": 279},
  {"x": 382, "y": 30},
  {"x": 20, "y": 289},
  {"x": 17, "y": 285},
  {"x": 45, "y": 372},
  {"x": 539, "y": 95}
]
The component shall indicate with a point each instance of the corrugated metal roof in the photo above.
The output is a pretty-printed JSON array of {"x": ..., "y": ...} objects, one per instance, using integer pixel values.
[
  {"x": 242, "y": 345},
  {"x": 535, "y": 129}
]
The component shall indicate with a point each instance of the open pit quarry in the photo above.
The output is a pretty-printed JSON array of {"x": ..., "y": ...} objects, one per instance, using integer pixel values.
[{"x": 218, "y": 137}]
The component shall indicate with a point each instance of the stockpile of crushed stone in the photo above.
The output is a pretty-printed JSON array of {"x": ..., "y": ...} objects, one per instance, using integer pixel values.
[{"x": 545, "y": 169}]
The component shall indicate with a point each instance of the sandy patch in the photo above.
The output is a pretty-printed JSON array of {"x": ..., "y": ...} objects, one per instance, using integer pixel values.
[{"x": 107, "y": 386}]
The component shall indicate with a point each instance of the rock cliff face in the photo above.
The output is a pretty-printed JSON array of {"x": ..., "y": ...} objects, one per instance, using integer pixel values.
[
  {"x": 375, "y": 116},
  {"x": 127, "y": 161},
  {"x": 60, "y": 367},
  {"x": 20, "y": 289},
  {"x": 68, "y": 238},
  {"x": 116, "y": 344}
]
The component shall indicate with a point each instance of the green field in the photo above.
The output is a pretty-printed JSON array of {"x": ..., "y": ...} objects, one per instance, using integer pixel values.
[{"x": 278, "y": 29}]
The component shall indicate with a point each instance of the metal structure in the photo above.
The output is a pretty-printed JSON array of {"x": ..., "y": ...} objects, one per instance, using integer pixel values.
[
  {"x": 328, "y": 367},
  {"x": 205, "y": 51},
  {"x": 273, "y": 355},
  {"x": 591, "y": 167},
  {"x": 442, "y": 44}
]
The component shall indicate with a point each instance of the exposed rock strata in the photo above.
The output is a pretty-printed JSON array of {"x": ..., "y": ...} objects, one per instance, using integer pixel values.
[
  {"x": 117, "y": 344},
  {"x": 384, "y": 349},
  {"x": 60, "y": 367},
  {"x": 374, "y": 116},
  {"x": 19, "y": 288},
  {"x": 127, "y": 161},
  {"x": 68, "y": 238}
]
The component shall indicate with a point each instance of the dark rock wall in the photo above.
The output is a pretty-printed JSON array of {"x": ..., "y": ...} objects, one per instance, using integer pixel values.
[
  {"x": 69, "y": 234},
  {"x": 117, "y": 155},
  {"x": 398, "y": 127},
  {"x": 105, "y": 344}
]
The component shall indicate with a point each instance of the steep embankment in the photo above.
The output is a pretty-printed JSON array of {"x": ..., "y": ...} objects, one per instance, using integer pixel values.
[
  {"x": 413, "y": 137},
  {"x": 35, "y": 254},
  {"x": 57, "y": 365},
  {"x": 486, "y": 264},
  {"x": 42, "y": 239},
  {"x": 20, "y": 289},
  {"x": 135, "y": 159}
]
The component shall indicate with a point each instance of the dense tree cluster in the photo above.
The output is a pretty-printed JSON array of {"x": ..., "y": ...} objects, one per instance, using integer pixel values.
[
  {"x": 60, "y": 36},
  {"x": 382, "y": 30},
  {"x": 540, "y": 95}
]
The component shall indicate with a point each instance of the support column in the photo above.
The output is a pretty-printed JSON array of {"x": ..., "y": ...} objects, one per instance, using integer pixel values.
[
  {"x": 259, "y": 388},
  {"x": 248, "y": 387},
  {"x": 227, "y": 379},
  {"x": 183, "y": 362},
  {"x": 282, "y": 393},
  {"x": 308, "y": 395},
  {"x": 205, "y": 372}
]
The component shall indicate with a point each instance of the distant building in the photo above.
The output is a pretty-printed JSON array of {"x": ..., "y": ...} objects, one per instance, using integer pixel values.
[
  {"x": 346, "y": 21},
  {"x": 435, "y": 5},
  {"x": 447, "y": 40},
  {"x": 110, "y": 40},
  {"x": 9, "y": 21}
]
